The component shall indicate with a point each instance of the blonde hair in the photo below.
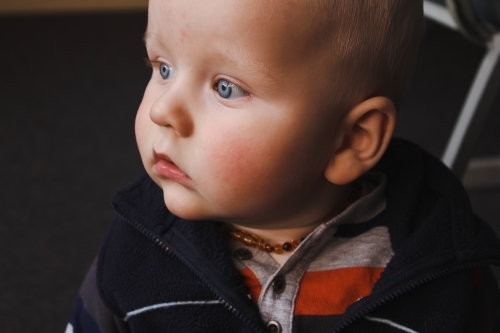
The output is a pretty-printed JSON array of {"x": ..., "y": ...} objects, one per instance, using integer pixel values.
[{"x": 374, "y": 44}]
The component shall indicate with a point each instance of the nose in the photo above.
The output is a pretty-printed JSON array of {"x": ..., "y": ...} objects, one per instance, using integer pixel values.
[{"x": 171, "y": 110}]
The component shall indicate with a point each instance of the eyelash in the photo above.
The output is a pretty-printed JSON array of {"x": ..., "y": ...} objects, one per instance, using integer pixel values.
[
  {"x": 231, "y": 84},
  {"x": 155, "y": 63},
  {"x": 152, "y": 63}
]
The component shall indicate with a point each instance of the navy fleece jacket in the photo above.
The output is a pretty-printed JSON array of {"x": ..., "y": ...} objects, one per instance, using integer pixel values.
[{"x": 159, "y": 273}]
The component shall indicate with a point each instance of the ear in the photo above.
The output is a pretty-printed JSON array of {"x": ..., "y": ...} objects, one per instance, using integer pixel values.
[{"x": 366, "y": 132}]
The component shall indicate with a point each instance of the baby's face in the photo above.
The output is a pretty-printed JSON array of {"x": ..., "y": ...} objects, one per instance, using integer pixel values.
[{"x": 234, "y": 124}]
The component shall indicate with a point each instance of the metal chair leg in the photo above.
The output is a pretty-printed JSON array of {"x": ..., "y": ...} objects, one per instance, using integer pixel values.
[
  {"x": 475, "y": 110},
  {"x": 439, "y": 14}
]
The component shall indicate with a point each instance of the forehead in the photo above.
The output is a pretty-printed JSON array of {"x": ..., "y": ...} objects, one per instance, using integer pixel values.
[{"x": 260, "y": 32}]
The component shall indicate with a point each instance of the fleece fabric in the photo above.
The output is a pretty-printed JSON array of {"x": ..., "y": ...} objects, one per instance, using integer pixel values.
[{"x": 159, "y": 273}]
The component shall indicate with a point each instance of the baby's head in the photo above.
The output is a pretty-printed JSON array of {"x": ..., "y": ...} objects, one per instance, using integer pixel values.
[
  {"x": 262, "y": 112},
  {"x": 373, "y": 46}
]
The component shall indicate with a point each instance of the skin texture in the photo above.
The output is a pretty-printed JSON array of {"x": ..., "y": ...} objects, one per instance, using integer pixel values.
[{"x": 275, "y": 160}]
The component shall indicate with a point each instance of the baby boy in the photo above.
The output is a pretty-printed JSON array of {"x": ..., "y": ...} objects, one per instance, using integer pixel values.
[{"x": 274, "y": 198}]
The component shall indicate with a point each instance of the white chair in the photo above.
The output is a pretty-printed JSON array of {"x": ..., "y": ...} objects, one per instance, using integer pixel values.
[{"x": 479, "y": 21}]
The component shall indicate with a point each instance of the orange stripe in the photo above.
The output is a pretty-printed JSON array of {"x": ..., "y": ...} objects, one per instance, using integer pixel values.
[
  {"x": 332, "y": 292},
  {"x": 252, "y": 283}
]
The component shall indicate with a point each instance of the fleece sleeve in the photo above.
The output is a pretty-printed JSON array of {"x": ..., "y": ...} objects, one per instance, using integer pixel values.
[{"x": 90, "y": 315}]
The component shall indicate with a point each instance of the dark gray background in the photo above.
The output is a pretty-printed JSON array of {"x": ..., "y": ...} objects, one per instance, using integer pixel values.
[{"x": 69, "y": 89}]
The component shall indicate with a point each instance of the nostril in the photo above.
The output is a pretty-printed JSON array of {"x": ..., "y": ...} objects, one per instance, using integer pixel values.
[
  {"x": 179, "y": 120},
  {"x": 185, "y": 125}
]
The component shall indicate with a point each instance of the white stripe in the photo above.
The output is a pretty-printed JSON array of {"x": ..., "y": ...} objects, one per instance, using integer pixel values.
[
  {"x": 167, "y": 305},
  {"x": 69, "y": 329},
  {"x": 391, "y": 323}
]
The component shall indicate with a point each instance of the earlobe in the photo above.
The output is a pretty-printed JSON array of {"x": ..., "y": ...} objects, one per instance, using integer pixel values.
[{"x": 368, "y": 128}]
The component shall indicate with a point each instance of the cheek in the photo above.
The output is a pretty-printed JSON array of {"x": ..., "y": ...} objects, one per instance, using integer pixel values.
[
  {"x": 232, "y": 160},
  {"x": 142, "y": 122},
  {"x": 140, "y": 128},
  {"x": 242, "y": 169},
  {"x": 145, "y": 136}
]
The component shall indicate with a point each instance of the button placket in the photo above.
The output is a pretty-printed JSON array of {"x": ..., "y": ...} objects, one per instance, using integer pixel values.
[{"x": 281, "y": 290}]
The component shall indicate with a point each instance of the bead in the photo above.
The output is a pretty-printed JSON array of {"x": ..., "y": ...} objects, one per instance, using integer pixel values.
[
  {"x": 254, "y": 241},
  {"x": 238, "y": 235},
  {"x": 278, "y": 249},
  {"x": 249, "y": 240},
  {"x": 287, "y": 246}
]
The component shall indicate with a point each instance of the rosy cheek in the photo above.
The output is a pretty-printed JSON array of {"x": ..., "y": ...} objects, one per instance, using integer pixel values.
[{"x": 238, "y": 167}]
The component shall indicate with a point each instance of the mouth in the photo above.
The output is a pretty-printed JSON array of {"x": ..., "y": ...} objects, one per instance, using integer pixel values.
[
  {"x": 164, "y": 167},
  {"x": 159, "y": 156}
]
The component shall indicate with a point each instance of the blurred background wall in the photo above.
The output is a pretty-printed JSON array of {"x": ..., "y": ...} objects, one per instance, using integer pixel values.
[{"x": 51, "y": 6}]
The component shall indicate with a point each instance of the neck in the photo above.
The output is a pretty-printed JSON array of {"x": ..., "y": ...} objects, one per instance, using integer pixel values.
[
  {"x": 281, "y": 231},
  {"x": 276, "y": 234}
]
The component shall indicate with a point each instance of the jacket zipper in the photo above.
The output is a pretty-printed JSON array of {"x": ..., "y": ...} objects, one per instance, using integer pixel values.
[
  {"x": 410, "y": 287},
  {"x": 162, "y": 245}
]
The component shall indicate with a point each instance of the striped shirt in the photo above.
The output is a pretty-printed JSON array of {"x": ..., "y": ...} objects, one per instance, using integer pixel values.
[{"x": 336, "y": 265}]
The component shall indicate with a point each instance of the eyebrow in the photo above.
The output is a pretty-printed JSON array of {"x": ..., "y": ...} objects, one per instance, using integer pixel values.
[
  {"x": 148, "y": 36},
  {"x": 249, "y": 66},
  {"x": 256, "y": 69}
]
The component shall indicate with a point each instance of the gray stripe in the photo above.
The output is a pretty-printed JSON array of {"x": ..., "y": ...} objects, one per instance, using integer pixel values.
[{"x": 370, "y": 249}]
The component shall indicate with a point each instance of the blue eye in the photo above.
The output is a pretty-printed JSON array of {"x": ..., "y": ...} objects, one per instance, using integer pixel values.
[
  {"x": 229, "y": 90},
  {"x": 164, "y": 71}
]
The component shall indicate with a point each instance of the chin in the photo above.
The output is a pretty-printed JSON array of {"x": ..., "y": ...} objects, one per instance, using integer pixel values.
[{"x": 186, "y": 210}]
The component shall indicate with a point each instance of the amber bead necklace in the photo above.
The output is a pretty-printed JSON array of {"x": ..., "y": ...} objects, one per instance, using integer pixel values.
[{"x": 253, "y": 240}]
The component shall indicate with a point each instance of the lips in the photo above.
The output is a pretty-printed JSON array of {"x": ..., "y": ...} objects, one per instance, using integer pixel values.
[
  {"x": 159, "y": 156},
  {"x": 164, "y": 167}
]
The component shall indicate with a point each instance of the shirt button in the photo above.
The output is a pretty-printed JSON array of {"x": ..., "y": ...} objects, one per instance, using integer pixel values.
[
  {"x": 273, "y": 327},
  {"x": 243, "y": 254},
  {"x": 279, "y": 284}
]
